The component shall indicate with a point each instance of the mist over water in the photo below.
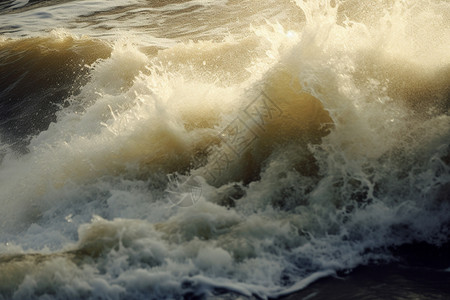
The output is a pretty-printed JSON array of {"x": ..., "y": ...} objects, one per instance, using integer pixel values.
[{"x": 204, "y": 149}]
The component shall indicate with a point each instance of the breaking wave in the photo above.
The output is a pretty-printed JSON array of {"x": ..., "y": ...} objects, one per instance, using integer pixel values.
[{"x": 253, "y": 164}]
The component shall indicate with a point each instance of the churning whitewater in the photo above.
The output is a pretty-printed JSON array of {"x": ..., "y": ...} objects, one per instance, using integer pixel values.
[{"x": 201, "y": 149}]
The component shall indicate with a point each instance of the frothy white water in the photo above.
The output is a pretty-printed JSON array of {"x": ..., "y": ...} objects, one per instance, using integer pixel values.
[{"x": 349, "y": 157}]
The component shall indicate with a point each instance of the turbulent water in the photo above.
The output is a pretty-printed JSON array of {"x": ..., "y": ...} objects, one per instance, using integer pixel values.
[{"x": 218, "y": 148}]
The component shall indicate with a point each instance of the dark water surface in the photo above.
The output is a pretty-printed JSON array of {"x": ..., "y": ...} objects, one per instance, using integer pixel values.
[{"x": 380, "y": 282}]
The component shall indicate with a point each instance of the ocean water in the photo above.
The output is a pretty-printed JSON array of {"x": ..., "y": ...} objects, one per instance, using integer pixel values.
[{"x": 224, "y": 149}]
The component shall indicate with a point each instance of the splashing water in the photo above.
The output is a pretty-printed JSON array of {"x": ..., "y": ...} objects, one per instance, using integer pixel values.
[{"x": 313, "y": 141}]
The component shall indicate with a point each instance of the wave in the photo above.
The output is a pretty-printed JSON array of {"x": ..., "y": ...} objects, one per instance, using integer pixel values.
[
  {"x": 254, "y": 164},
  {"x": 38, "y": 74}
]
